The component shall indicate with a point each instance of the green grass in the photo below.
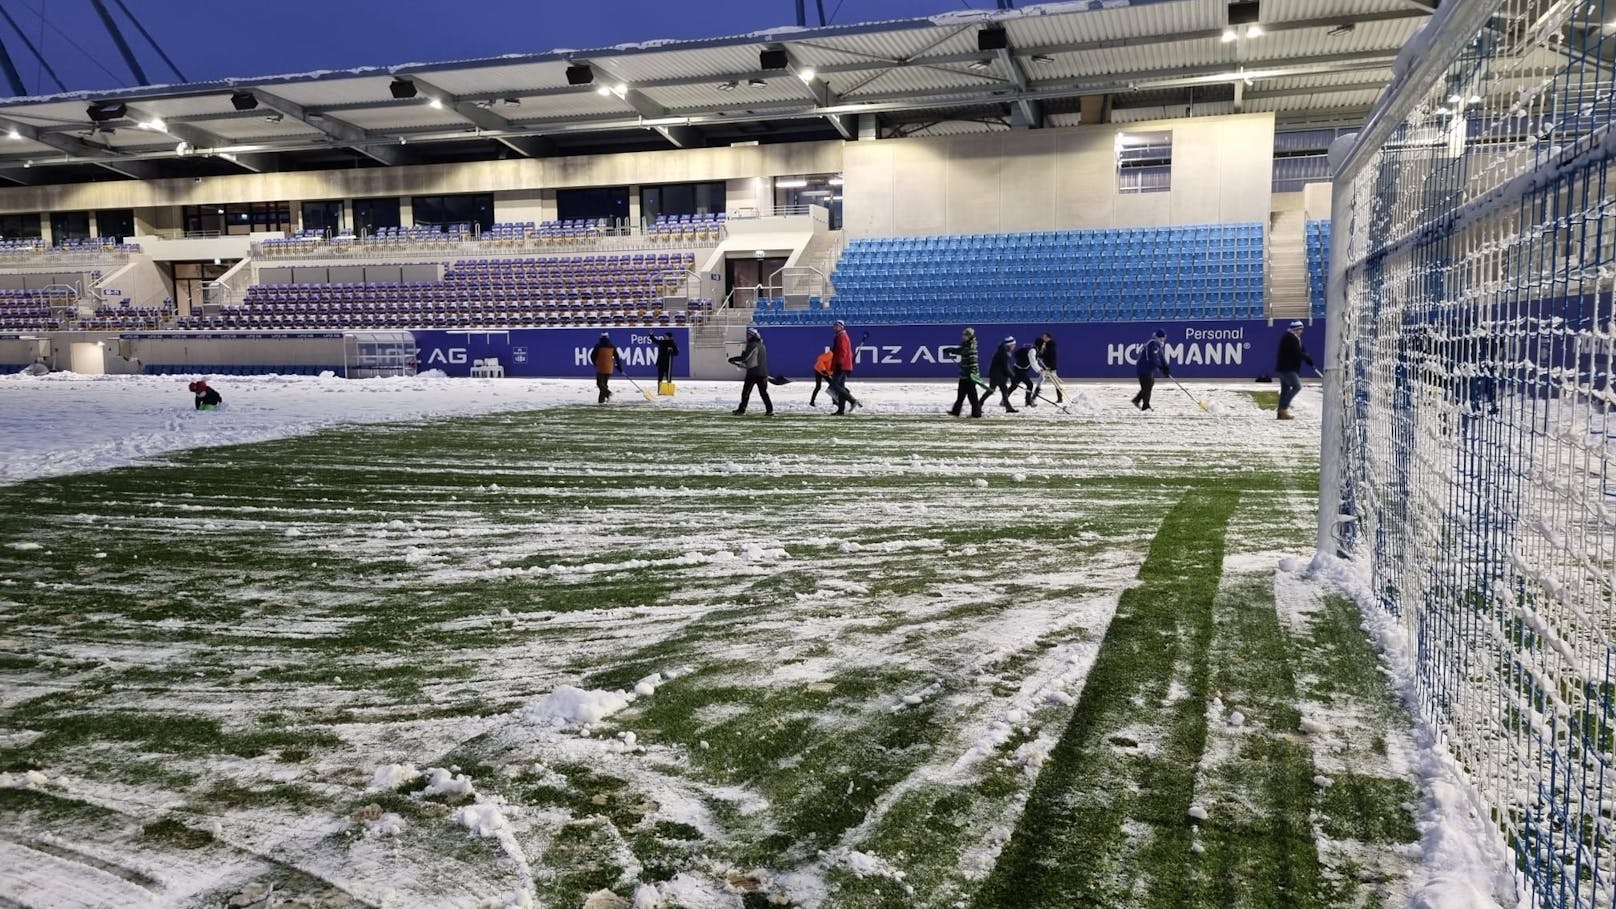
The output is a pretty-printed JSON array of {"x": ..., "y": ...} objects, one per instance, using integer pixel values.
[
  {"x": 261, "y": 671},
  {"x": 1267, "y": 400}
]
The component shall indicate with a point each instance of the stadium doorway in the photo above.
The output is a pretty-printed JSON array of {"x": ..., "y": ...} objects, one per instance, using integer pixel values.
[{"x": 748, "y": 279}]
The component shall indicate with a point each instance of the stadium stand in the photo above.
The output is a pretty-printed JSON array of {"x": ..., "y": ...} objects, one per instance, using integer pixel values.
[
  {"x": 1210, "y": 271},
  {"x": 497, "y": 292},
  {"x": 31, "y": 310},
  {"x": 1318, "y": 265}
]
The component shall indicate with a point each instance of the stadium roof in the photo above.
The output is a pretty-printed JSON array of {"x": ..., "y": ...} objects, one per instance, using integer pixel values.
[{"x": 1315, "y": 62}]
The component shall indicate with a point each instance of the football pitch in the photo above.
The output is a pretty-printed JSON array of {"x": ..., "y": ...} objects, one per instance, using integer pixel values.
[{"x": 639, "y": 656}]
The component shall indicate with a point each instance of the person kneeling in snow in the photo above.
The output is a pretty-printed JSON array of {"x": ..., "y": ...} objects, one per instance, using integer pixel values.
[{"x": 206, "y": 397}]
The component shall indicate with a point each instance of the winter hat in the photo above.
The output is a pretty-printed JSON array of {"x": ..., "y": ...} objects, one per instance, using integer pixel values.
[
  {"x": 968, "y": 333},
  {"x": 1296, "y": 325},
  {"x": 1160, "y": 333},
  {"x": 838, "y": 324},
  {"x": 1010, "y": 340},
  {"x": 752, "y": 332},
  {"x": 196, "y": 387},
  {"x": 606, "y": 335}
]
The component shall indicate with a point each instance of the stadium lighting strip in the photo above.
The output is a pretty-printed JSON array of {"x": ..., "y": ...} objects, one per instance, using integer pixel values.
[{"x": 1469, "y": 462}]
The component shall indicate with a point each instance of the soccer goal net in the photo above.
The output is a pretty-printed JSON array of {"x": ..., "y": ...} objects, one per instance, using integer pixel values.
[{"x": 1469, "y": 431}]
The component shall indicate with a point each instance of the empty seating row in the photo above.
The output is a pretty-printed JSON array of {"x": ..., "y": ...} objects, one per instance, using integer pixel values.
[
  {"x": 1193, "y": 271},
  {"x": 679, "y": 228},
  {"x": 1318, "y": 265}
]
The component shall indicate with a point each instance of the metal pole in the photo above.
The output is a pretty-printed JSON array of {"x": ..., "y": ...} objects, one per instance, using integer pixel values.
[
  {"x": 802, "y": 13},
  {"x": 118, "y": 39},
  {"x": 150, "y": 40},
  {"x": 32, "y": 49},
  {"x": 12, "y": 75},
  {"x": 821, "y": 5}
]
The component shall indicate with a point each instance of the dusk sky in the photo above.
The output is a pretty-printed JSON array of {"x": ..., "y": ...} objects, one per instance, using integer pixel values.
[{"x": 210, "y": 39}]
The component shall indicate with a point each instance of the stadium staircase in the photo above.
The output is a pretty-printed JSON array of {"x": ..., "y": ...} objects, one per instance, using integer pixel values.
[
  {"x": 1287, "y": 273},
  {"x": 1318, "y": 265}
]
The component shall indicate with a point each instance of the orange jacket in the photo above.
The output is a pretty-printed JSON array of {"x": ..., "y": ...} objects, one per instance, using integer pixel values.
[{"x": 822, "y": 365}]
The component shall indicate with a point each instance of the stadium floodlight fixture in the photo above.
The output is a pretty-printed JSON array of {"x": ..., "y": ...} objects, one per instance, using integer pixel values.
[
  {"x": 102, "y": 111},
  {"x": 1254, "y": 31},
  {"x": 1229, "y": 34},
  {"x": 155, "y": 124},
  {"x": 435, "y": 104},
  {"x": 807, "y": 74}
]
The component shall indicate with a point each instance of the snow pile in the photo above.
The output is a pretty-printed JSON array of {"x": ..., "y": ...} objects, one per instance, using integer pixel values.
[
  {"x": 482, "y": 819},
  {"x": 443, "y": 782},
  {"x": 25, "y": 546},
  {"x": 568, "y": 707},
  {"x": 32, "y": 779},
  {"x": 392, "y": 776}
]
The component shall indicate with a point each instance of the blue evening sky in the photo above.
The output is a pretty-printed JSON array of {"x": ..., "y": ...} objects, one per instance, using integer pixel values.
[{"x": 211, "y": 39}]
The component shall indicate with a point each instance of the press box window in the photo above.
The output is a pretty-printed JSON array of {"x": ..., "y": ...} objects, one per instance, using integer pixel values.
[{"x": 1145, "y": 162}]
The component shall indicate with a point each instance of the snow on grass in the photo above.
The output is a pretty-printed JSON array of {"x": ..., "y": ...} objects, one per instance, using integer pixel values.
[{"x": 639, "y": 648}]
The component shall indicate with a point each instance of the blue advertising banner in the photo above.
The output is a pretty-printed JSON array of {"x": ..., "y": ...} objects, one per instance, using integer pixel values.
[
  {"x": 1086, "y": 350},
  {"x": 539, "y": 352}
]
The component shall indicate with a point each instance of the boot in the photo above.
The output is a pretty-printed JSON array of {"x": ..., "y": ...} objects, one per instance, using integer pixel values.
[
  {"x": 1009, "y": 409},
  {"x": 739, "y": 411},
  {"x": 1286, "y": 415}
]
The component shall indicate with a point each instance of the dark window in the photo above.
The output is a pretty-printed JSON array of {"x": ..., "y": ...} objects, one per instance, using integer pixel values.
[
  {"x": 603, "y": 202},
  {"x": 17, "y": 227},
  {"x": 323, "y": 216},
  {"x": 69, "y": 225},
  {"x": 681, "y": 199},
  {"x": 476, "y": 209},
  {"x": 238, "y": 218},
  {"x": 117, "y": 223},
  {"x": 370, "y": 215}
]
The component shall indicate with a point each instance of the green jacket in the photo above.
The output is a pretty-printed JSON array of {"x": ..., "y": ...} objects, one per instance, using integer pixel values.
[{"x": 969, "y": 366}]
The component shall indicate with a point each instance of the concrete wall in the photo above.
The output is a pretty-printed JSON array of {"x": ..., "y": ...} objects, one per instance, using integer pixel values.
[
  {"x": 501, "y": 177},
  {"x": 1317, "y": 200},
  {"x": 1055, "y": 179}
]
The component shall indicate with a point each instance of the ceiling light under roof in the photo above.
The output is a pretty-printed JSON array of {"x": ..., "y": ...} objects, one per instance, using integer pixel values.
[
  {"x": 1042, "y": 58},
  {"x": 807, "y": 75},
  {"x": 728, "y": 86},
  {"x": 980, "y": 65},
  {"x": 1254, "y": 31},
  {"x": 13, "y": 134},
  {"x": 435, "y": 104},
  {"x": 757, "y": 83},
  {"x": 1230, "y": 34}
]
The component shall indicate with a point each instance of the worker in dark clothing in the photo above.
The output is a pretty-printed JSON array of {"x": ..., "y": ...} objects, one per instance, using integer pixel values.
[
  {"x": 1152, "y": 357},
  {"x": 969, "y": 373},
  {"x": 1002, "y": 372},
  {"x": 1046, "y": 355},
  {"x": 604, "y": 356},
  {"x": 754, "y": 358},
  {"x": 1288, "y": 365},
  {"x": 666, "y": 350}
]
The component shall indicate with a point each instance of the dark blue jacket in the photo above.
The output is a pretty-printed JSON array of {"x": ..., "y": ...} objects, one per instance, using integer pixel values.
[{"x": 1152, "y": 358}]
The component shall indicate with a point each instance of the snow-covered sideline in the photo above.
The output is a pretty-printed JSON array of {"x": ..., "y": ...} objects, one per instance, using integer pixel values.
[
  {"x": 65, "y": 423},
  {"x": 1465, "y": 863}
]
